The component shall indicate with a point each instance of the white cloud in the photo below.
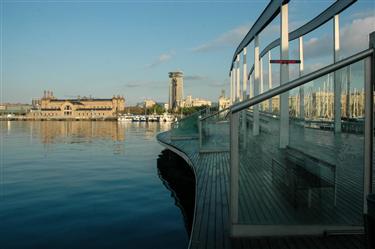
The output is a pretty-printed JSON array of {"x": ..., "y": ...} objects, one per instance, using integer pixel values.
[
  {"x": 229, "y": 38},
  {"x": 164, "y": 57},
  {"x": 353, "y": 38}
]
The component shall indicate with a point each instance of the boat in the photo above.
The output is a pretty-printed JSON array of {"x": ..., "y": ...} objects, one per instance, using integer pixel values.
[
  {"x": 152, "y": 118},
  {"x": 125, "y": 118},
  {"x": 142, "y": 118},
  {"x": 136, "y": 118},
  {"x": 167, "y": 117}
]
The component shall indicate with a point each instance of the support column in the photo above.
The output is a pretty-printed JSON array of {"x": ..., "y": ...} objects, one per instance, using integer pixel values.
[
  {"x": 234, "y": 167},
  {"x": 231, "y": 87},
  {"x": 336, "y": 75},
  {"x": 244, "y": 83},
  {"x": 269, "y": 80},
  {"x": 244, "y": 96},
  {"x": 261, "y": 105},
  {"x": 284, "y": 77},
  {"x": 256, "y": 86},
  {"x": 369, "y": 67},
  {"x": 348, "y": 78},
  {"x": 301, "y": 88},
  {"x": 238, "y": 80}
]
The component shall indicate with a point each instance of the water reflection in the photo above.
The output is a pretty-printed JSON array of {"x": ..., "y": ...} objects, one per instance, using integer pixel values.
[
  {"x": 178, "y": 177},
  {"x": 50, "y": 132}
]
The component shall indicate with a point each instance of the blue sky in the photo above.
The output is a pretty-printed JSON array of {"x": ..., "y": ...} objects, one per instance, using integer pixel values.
[{"x": 128, "y": 47}]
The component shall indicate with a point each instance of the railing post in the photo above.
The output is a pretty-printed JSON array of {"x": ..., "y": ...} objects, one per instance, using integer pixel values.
[
  {"x": 200, "y": 132},
  {"x": 301, "y": 88},
  {"x": 369, "y": 119},
  {"x": 261, "y": 81},
  {"x": 336, "y": 75},
  {"x": 234, "y": 167},
  {"x": 284, "y": 77},
  {"x": 244, "y": 90},
  {"x": 348, "y": 78},
  {"x": 269, "y": 80},
  {"x": 238, "y": 84},
  {"x": 256, "y": 86},
  {"x": 231, "y": 86},
  {"x": 244, "y": 83}
]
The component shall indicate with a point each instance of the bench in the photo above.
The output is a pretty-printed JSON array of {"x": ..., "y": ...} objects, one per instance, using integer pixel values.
[{"x": 299, "y": 171}]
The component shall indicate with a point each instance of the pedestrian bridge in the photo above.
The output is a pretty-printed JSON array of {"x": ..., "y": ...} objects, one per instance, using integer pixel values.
[{"x": 295, "y": 160}]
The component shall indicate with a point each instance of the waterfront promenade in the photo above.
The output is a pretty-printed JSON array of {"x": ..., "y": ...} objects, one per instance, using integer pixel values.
[{"x": 211, "y": 219}]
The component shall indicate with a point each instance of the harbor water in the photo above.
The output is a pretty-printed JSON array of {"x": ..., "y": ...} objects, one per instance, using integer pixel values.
[{"x": 85, "y": 184}]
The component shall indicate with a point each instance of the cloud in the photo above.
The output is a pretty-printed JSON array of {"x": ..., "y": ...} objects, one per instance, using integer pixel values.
[
  {"x": 234, "y": 36},
  {"x": 164, "y": 57},
  {"x": 194, "y": 77},
  {"x": 229, "y": 38},
  {"x": 353, "y": 38},
  {"x": 146, "y": 83}
]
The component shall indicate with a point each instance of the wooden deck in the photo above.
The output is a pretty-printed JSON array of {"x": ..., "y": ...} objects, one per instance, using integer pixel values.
[{"x": 211, "y": 221}]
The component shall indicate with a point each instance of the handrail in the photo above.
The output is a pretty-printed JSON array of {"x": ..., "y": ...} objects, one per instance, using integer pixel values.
[
  {"x": 268, "y": 14},
  {"x": 214, "y": 114},
  {"x": 301, "y": 81},
  {"x": 193, "y": 114},
  {"x": 336, "y": 8}
]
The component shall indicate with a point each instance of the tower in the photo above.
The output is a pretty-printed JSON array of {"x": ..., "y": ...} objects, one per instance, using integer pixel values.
[{"x": 176, "y": 89}]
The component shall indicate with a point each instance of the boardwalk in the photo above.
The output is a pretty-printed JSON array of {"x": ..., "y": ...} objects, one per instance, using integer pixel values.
[{"x": 211, "y": 222}]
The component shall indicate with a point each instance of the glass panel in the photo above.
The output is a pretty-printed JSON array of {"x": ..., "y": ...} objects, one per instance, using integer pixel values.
[
  {"x": 215, "y": 133},
  {"x": 317, "y": 179}
]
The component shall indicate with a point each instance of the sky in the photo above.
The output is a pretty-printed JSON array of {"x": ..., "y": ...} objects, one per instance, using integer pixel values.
[{"x": 106, "y": 48}]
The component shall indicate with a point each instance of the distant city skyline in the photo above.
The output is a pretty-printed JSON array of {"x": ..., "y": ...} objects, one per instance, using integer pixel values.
[{"x": 128, "y": 48}]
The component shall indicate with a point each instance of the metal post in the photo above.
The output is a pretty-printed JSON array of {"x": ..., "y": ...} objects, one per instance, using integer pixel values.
[
  {"x": 348, "y": 78},
  {"x": 234, "y": 167},
  {"x": 261, "y": 81},
  {"x": 244, "y": 90},
  {"x": 231, "y": 87},
  {"x": 269, "y": 80},
  {"x": 336, "y": 75},
  {"x": 251, "y": 85},
  {"x": 200, "y": 132},
  {"x": 301, "y": 88},
  {"x": 238, "y": 92},
  {"x": 256, "y": 86},
  {"x": 284, "y": 77},
  {"x": 244, "y": 83},
  {"x": 369, "y": 119}
]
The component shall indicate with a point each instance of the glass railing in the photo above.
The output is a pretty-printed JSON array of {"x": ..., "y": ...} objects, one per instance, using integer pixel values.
[
  {"x": 303, "y": 172},
  {"x": 214, "y": 132},
  {"x": 187, "y": 127}
]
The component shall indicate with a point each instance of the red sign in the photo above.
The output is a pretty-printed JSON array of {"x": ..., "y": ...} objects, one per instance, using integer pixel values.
[{"x": 286, "y": 61}]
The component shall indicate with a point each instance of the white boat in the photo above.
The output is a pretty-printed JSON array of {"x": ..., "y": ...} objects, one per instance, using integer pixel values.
[
  {"x": 136, "y": 118},
  {"x": 142, "y": 118},
  {"x": 152, "y": 118},
  {"x": 125, "y": 118},
  {"x": 167, "y": 117}
]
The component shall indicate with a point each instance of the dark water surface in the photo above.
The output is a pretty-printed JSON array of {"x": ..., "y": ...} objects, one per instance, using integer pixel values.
[{"x": 85, "y": 185}]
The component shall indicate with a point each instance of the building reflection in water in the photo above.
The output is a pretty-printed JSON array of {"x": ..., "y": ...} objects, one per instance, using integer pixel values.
[
  {"x": 73, "y": 132},
  {"x": 178, "y": 177}
]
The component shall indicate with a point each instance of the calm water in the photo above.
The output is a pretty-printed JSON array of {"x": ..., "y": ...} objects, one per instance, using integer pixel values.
[{"x": 85, "y": 185}]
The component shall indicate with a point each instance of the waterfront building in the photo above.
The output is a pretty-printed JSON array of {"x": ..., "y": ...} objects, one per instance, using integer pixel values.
[
  {"x": 176, "y": 89},
  {"x": 15, "y": 109},
  {"x": 82, "y": 108},
  {"x": 189, "y": 101},
  {"x": 148, "y": 103}
]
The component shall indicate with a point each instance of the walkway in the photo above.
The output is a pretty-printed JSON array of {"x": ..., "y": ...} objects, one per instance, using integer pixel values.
[{"x": 211, "y": 224}]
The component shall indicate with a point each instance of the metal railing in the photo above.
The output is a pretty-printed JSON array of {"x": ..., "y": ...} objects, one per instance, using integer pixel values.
[{"x": 238, "y": 229}]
